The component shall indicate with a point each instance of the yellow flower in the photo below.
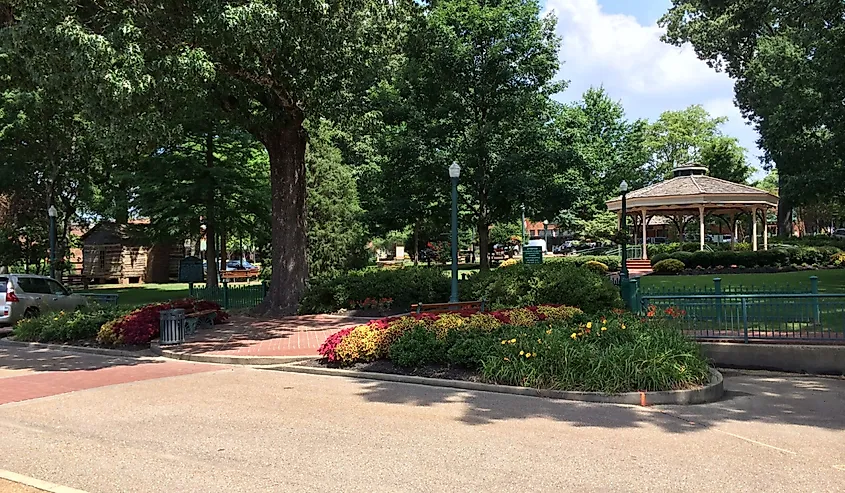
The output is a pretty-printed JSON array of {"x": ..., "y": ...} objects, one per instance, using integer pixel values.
[
  {"x": 589, "y": 325},
  {"x": 521, "y": 353},
  {"x": 538, "y": 340},
  {"x": 55, "y": 318},
  {"x": 604, "y": 328},
  {"x": 504, "y": 342},
  {"x": 548, "y": 332},
  {"x": 574, "y": 335},
  {"x": 527, "y": 355},
  {"x": 623, "y": 326},
  {"x": 513, "y": 340}
]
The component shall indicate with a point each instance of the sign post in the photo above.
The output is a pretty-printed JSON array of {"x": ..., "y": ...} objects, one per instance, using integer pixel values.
[{"x": 532, "y": 255}]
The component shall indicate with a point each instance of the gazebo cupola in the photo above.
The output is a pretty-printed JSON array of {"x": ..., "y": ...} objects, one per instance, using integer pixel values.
[{"x": 691, "y": 192}]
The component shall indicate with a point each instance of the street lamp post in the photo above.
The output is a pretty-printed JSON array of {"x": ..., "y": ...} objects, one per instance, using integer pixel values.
[
  {"x": 546, "y": 234},
  {"x": 52, "y": 212},
  {"x": 624, "y": 281},
  {"x": 454, "y": 174}
]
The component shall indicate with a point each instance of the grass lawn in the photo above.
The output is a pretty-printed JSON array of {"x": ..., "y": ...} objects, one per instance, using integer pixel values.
[
  {"x": 830, "y": 281},
  {"x": 141, "y": 294}
]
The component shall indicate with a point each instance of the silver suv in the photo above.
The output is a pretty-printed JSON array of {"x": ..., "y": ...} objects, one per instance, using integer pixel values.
[{"x": 25, "y": 295}]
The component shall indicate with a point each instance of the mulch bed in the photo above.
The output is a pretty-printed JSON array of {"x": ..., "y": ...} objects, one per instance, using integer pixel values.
[
  {"x": 97, "y": 345},
  {"x": 383, "y": 366}
]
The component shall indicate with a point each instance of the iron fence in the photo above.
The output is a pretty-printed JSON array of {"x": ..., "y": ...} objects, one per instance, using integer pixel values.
[
  {"x": 232, "y": 295},
  {"x": 746, "y": 317}
]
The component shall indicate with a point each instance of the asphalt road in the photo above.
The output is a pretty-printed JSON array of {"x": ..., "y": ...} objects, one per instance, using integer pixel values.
[{"x": 251, "y": 430}]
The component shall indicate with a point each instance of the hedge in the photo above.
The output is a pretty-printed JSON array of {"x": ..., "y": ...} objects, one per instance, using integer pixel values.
[
  {"x": 613, "y": 262},
  {"x": 777, "y": 256}
]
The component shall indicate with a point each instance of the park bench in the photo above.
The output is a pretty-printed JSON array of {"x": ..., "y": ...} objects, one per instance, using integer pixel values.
[
  {"x": 103, "y": 299},
  {"x": 245, "y": 274},
  {"x": 448, "y": 307},
  {"x": 199, "y": 320}
]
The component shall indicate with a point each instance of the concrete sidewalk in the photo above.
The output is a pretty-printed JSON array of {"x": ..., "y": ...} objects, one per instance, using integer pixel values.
[{"x": 245, "y": 430}]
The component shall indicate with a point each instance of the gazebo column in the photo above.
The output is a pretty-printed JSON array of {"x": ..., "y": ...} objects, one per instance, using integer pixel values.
[
  {"x": 754, "y": 229},
  {"x": 765, "y": 229},
  {"x": 701, "y": 227},
  {"x": 645, "y": 235}
]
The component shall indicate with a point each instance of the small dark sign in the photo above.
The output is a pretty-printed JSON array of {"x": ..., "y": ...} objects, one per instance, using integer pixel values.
[
  {"x": 532, "y": 255},
  {"x": 190, "y": 270}
]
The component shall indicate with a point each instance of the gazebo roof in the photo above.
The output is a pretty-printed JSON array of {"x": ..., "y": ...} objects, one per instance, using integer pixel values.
[{"x": 692, "y": 191}]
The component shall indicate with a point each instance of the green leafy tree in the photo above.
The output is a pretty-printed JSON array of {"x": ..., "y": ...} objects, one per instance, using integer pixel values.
[
  {"x": 269, "y": 65},
  {"x": 678, "y": 137},
  {"x": 474, "y": 89},
  {"x": 725, "y": 159},
  {"x": 786, "y": 59}
]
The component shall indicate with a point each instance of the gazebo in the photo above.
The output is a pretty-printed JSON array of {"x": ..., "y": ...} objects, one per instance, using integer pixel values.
[{"x": 690, "y": 192}]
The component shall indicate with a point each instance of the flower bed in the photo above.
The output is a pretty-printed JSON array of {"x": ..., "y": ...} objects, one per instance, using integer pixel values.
[
  {"x": 141, "y": 325},
  {"x": 549, "y": 347}
]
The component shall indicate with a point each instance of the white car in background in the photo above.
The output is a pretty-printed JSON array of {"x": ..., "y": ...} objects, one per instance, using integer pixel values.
[
  {"x": 839, "y": 234},
  {"x": 26, "y": 295}
]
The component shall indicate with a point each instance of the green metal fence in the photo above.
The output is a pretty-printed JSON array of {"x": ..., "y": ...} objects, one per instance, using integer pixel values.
[
  {"x": 746, "y": 317},
  {"x": 232, "y": 295}
]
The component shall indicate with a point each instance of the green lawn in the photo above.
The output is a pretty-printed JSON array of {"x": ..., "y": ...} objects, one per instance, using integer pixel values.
[
  {"x": 830, "y": 281},
  {"x": 141, "y": 294}
]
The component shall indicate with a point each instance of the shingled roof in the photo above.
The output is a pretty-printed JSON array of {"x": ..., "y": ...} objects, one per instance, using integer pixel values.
[{"x": 692, "y": 185}]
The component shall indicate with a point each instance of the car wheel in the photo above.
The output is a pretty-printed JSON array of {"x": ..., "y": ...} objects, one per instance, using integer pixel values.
[{"x": 31, "y": 312}]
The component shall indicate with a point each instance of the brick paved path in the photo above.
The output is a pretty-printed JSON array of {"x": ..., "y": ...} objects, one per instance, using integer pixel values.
[
  {"x": 286, "y": 336},
  {"x": 27, "y": 373}
]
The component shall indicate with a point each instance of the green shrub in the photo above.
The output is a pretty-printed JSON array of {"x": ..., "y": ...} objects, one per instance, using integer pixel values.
[
  {"x": 668, "y": 266},
  {"x": 549, "y": 283},
  {"x": 405, "y": 286},
  {"x": 685, "y": 257},
  {"x": 612, "y": 262},
  {"x": 724, "y": 258},
  {"x": 418, "y": 347},
  {"x": 658, "y": 257},
  {"x": 472, "y": 348},
  {"x": 701, "y": 259},
  {"x": 596, "y": 267},
  {"x": 83, "y": 324}
]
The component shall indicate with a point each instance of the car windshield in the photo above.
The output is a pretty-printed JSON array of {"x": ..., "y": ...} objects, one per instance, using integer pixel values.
[{"x": 3, "y": 282}]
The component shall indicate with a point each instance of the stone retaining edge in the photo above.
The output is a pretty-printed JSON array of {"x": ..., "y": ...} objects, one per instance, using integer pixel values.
[
  {"x": 709, "y": 393},
  {"x": 5, "y": 341},
  {"x": 223, "y": 359}
]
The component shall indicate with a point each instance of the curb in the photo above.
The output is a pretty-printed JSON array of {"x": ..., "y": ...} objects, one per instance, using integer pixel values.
[
  {"x": 223, "y": 359},
  {"x": 36, "y": 483},
  {"x": 709, "y": 393},
  {"x": 75, "y": 349}
]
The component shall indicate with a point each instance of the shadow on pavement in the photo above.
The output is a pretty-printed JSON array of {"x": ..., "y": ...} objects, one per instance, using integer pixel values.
[
  {"x": 41, "y": 360},
  {"x": 795, "y": 400}
]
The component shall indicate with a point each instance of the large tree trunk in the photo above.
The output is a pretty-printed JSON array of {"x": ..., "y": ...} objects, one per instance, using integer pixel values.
[
  {"x": 784, "y": 217},
  {"x": 286, "y": 149},
  {"x": 210, "y": 226},
  {"x": 483, "y": 244},
  {"x": 224, "y": 254}
]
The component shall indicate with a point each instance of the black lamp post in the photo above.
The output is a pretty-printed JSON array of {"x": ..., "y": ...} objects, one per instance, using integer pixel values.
[
  {"x": 52, "y": 212},
  {"x": 454, "y": 174},
  {"x": 546, "y": 233}
]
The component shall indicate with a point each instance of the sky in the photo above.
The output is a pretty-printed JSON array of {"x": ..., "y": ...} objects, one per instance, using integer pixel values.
[{"x": 616, "y": 44}]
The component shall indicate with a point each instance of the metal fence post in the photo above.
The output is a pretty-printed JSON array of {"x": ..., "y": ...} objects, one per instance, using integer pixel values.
[
  {"x": 635, "y": 295},
  {"x": 814, "y": 288},
  {"x": 263, "y": 290},
  {"x": 225, "y": 295},
  {"x": 717, "y": 290},
  {"x": 745, "y": 319}
]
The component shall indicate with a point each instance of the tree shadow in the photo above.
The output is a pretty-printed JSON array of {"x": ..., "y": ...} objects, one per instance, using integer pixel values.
[
  {"x": 44, "y": 360},
  {"x": 794, "y": 400}
]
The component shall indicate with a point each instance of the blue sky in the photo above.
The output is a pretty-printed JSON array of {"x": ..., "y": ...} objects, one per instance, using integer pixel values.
[{"x": 616, "y": 44}]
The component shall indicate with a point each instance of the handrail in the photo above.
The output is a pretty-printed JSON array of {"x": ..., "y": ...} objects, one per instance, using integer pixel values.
[{"x": 730, "y": 295}]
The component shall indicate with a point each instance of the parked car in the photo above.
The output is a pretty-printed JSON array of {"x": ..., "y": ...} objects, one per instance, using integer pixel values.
[
  {"x": 839, "y": 234},
  {"x": 26, "y": 295},
  {"x": 239, "y": 265}
]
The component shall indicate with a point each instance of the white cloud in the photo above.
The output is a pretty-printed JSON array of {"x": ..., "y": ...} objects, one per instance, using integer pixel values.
[{"x": 636, "y": 67}]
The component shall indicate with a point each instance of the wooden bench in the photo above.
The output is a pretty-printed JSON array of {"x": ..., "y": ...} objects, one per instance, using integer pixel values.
[
  {"x": 199, "y": 320},
  {"x": 448, "y": 307},
  {"x": 241, "y": 274},
  {"x": 103, "y": 299}
]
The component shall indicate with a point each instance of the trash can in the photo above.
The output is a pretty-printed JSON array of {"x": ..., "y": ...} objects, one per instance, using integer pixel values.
[{"x": 171, "y": 326}]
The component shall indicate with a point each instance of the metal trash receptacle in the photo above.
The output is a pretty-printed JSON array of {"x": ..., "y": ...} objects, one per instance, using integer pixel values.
[{"x": 171, "y": 326}]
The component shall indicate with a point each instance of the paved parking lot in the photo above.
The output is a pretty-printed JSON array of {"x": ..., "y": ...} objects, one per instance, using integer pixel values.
[{"x": 241, "y": 429}]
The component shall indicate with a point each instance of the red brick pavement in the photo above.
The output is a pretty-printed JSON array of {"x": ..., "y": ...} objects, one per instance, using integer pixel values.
[
  {"x": 43, "y": 384},
  {"x": 286, "y": 336}
]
